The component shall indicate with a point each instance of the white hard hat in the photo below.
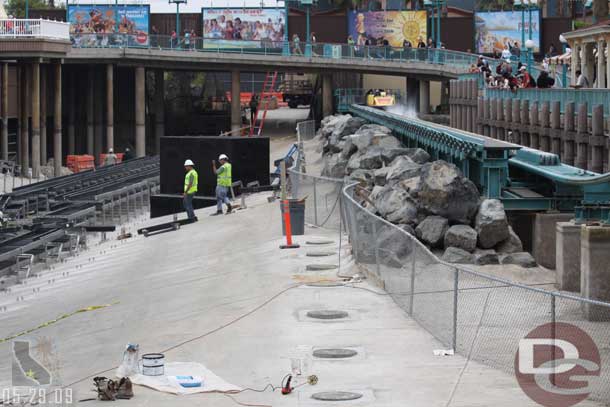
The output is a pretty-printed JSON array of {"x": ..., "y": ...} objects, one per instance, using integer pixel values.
[
  {"x": 188, "y": 162},
  {"x": 110, "y": 150},
  {"x": 223, "y": 157}
]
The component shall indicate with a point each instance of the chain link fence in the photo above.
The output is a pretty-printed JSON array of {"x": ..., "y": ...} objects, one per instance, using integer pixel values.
[{"x": 479, "y": 316}]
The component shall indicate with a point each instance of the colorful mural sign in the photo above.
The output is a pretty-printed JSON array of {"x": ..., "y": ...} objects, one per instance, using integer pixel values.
[
  {"x": 393, "y": 26},
  {"x": 496, "y": 30},
  {"x": 243, "y": 27}
]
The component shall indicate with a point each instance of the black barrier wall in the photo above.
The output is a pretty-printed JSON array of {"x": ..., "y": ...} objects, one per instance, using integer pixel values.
[{"x": 248, "y": 155}]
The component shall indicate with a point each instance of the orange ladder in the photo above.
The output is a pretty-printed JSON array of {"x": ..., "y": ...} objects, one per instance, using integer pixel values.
[{"x": 266, "y": 94}]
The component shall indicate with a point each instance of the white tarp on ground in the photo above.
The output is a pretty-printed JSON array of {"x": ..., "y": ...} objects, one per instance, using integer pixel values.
[{"x": 211, "y": 382}]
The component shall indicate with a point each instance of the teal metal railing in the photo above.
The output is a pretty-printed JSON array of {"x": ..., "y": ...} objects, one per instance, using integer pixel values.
[
  {"x": 277, "y": 48},
  {"x": 591, "y": 97}
]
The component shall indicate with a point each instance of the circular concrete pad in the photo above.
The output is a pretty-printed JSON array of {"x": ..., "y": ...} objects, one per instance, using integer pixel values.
[
  {"x": 327, "y": 314},
  {"x": 336, "y": 396},
  {"x": 319, "y": 253},
  {"x": 320, "y": 267},
  {"x": 326, "y": 284},
  {"x": 334, "y": 353},
  {"x": 319, "y": 240}
]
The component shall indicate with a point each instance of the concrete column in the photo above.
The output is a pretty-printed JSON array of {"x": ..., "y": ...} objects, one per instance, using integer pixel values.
[
  {"x": 588, "y": 62},
  {"x": 583, "y": 147},
  {"x": 90, "y": 110},
  {"x": 597, "y": 139},
  {"x": 556, "y": 125},
  {"x": 567, "y": 258},
  {"x": 424, "y": 97},
  {"x": 24, "y": 151},
  {"x": 159, "y": 108},
  {"x": 98, "y": 137},
  {"x": 595, "y": 273},
  {"x": 543, "y": 241},
  {"x": 568, "y": 127},
  {"x": 525, "y": 113},
  {"x": 601, "y": 72},
  {"x": 4, "y": 102},
  {"x": 140, "y": 112},
  {"x": 545, "y": 138},
  {"x": 327, "y": 95},
  {"x": 608, "y": 64},
  {"x": 534, "y": 143},
  {"x": 444, "y": 95},
  {"x": 57, "y": 122},
  {"x": 109, "y": 106},
  {"x": 235, "y": 101},
  {"x": 481, "y": 109},
  {"x": 43, "y": 114},
  {"x": 71, "y": 102},
  {"x": 575, "y": 61},
  {"x": 35, "y": 99},
  {"x": 413, "y": 95},
  {"x": 500, "y": 118},
  {"x": 459, "y": 106}
]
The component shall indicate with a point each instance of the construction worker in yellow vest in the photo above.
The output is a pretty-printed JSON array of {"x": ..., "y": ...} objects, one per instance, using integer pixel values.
[
  {"x": 223, "y": 183},
  {"x": 190, "y": 187}
]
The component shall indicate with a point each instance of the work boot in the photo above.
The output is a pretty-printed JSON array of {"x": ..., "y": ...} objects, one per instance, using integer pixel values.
[
  {"x": 229, "y": 209},
  {"x": 125, "y": 389},
  {"x": 217, "y": 213}
]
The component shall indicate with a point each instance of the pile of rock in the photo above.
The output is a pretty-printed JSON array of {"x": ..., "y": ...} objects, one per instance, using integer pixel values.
[{"x": 430, "y": 199}]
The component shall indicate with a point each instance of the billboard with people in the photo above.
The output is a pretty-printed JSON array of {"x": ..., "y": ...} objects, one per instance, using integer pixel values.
[
  {"x": 499, "y": 30},
  {"x": 243, "y": 27},
  {"x": 92, "y": 22},
  {"x": 395, "y": 27}
]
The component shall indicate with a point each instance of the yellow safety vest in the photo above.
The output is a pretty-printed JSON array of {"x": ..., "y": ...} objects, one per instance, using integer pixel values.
[
  {"x": 193, "y": 187},
  {"x": 224, "y": 178}
]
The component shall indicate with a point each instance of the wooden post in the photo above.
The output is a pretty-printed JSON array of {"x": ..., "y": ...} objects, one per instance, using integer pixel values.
[
  {"x": 555, "y": 129},
  {"x": 35, "y": 99},
  {"x": 597, "y": 139},
  {"x": 568, "y": 134},
  {"x": 57, "y": 122},
  {"x": 534, "y": 129},
  {"x": 525, "y": 112},
  {"x": 545, "y": 144},
  {"x": 582, "y": 137}
]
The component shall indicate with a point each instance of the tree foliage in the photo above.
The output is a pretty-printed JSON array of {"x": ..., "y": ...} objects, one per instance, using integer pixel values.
[{"x": 16, "y": 8}]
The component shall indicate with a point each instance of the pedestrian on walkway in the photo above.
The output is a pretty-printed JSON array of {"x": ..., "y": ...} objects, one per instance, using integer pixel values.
[
  {"x": 223, "y": 183},
  {"x": 128, "y": 154},
  {"x": 190, "y": 188},
  {"x": 110, "y": 158}
]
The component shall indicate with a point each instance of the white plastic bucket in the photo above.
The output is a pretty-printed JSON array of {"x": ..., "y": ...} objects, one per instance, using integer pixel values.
[{"x": 153, "y": 364}]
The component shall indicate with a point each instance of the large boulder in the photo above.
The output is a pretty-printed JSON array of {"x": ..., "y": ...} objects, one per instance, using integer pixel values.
[
  {"x": 361, "y": 141},
  {"x": 373, "y": 129},
  {"x": 385, "y": 141},
  {"x": 388, "y": 155},
  {"x": 417, "y": 155},
  {"x": 354, "y": 162},
  {"x": 491, "y": 224},
  {"x": 334, "y": 166},
  {"x": 348, "y": 148},
  {"x": 483, "y": 257},
  {"x": 348, "y": 126},
  {"x": 371, "y": 159},
  {"x": 457, "y": 255},
  {"x": 402, "y": 168},
  {"x": 432, "y": 230},
  {"x": 392, "y": 241},
  {"x": 380, "y": 176},
  {"x": 461, "y": 236},
  {"x": 394, "y": 205},
  {"x": 443, "y": 190},
  {"x": 523, "y": 259},
  {"x": 512, "y": 244},
  {"x": 332, "y": 123},
  {"x": 364, "y": 177}
]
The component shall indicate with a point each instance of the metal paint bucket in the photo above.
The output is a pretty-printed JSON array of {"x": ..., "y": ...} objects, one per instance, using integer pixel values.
[{"x": 153, "y": 364}]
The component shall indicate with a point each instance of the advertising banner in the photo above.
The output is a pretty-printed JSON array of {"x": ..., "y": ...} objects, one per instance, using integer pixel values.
[
  {"x": 101, "y": 20},
  {"x": 495, "y": 30},
  {"x": 393, "y": 26},
  {"x": 243, "y": 27}
]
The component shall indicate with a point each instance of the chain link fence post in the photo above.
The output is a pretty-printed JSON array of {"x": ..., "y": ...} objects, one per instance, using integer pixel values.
[
  {"x": 315, "y": 203},
  {"x": 456, "y": 277}
]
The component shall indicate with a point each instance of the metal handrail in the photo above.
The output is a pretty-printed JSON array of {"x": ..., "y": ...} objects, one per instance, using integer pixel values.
[{"x": 269, "y": 47}]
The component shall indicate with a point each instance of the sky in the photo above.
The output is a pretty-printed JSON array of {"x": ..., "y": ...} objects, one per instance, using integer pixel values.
[{"x": 192, "y": 6}]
